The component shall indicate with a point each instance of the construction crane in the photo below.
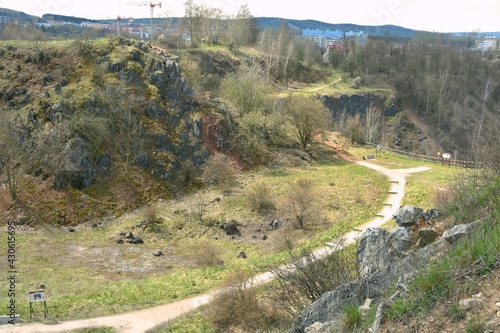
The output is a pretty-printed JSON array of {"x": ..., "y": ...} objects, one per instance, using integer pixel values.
[
  {"x": 118, "y": 24},
  {"x": 151, "y": 5}
]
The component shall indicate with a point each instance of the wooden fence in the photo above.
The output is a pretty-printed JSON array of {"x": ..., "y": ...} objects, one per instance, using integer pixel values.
[{"x": 433, "y": 159}]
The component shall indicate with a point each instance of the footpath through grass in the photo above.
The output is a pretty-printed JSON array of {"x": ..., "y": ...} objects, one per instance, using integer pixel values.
[{"x": 88, "y": 274}]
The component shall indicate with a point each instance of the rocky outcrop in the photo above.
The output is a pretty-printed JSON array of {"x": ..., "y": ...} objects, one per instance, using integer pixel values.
[
  {"x": 408, "y": 216},
  {"x": 80, "y": 168},
  {"x": 359, "y": 104},
  {"x": 385, "y": 261},
  {"x": 377, "y": 248},
  {"x": 171, "y": 136}
]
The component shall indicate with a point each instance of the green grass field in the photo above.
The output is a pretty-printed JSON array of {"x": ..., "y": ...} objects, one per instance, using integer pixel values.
[{"x": 88, "y": 274}]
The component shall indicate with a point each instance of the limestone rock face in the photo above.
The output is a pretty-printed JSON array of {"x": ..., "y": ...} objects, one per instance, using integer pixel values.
[
  {"x": 385, "y": 260},
  {"x": 81, "y": 169},
  {"x": 408, "y": 216},
  {"x": 378, "y": 248}
]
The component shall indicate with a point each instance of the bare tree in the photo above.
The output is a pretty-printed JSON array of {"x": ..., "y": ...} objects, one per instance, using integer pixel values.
[
  {"x": 243, "y": 28},
  {"x": 373, "y": 124},
  {"x": 489, "y": 87},
  {"x": 354, "y": 128},
  {"x": 308, "y": 276},
  {"x": 246, "y": 88},
  {"x": 288, "y": 54},
  {"x": 300, "y": 202},
  {"x": 13, "y": 154},
  {"x": 191, "y": 20}
]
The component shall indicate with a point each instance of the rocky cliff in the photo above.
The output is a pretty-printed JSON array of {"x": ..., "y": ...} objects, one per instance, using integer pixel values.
[
  {"x": 63, "y": 82},
  {"x": 106, "y": 117}
]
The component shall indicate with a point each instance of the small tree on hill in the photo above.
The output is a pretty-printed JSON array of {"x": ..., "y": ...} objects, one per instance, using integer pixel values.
[
  {"x": 300, "y": 202},
  {"x": 309, "y": 117},
  {"x": 13, "y": 152}
]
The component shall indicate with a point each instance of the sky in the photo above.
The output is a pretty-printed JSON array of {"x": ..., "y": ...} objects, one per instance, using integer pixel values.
[{"x": 430, "y": 15}]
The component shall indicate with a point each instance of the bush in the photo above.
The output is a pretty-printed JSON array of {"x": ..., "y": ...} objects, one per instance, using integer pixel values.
[
  {"x": 300, "y": 202},
  {"x": 308, "y": 276},
  {"x": 239, "y": 306},
  {"x": 218, "y": 170},
  {"x": 152, "y": 219},
  {"x": 260, "y": 199},
  {"x": 208, "y": 255}
]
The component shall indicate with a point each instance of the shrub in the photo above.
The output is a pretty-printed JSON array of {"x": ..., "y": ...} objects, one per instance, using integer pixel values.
[
  {"x": 218, "y": 170},
  {"x": 260, "y": 199},
  {"x": 151, "y": 219},
  {"x": 455, "y": 313},
  {"x": 300, "y": 202},
  {"x": 240, "y": 306},
  {"x": 208, "y": 255},
  {"x": 308, "y": 276}
]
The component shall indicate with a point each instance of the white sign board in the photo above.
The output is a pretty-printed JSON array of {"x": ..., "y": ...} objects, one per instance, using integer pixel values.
[
  {"x": 37, "y": 296},
  {"x": 447, "y": 155}
]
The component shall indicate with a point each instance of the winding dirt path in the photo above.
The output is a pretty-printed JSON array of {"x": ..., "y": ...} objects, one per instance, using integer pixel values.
[
  {"x": 326, "y": 85},
  {"x": 143, "y": 320}
]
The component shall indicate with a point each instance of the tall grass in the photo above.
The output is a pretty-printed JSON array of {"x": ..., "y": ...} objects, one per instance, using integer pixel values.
[{"x": 473, "y": 256}]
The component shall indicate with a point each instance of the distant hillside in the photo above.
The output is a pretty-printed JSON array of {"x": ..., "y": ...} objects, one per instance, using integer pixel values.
[
  {"x": 379, "y": 31},
  {"x": 63, "y": 18},
  {"x": 13, "y": 15}
]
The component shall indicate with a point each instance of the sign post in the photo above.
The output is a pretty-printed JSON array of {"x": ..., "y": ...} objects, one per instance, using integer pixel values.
[{"x": 38, "y": 296}]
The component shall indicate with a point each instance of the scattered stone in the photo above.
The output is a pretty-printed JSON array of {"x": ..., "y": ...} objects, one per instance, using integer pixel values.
[
  {"x": 264, "y": 237},
  {"x": 94, "y": 225},
  {"x": 275, "y": 224},
  {"x": 408, "y": 216},
  {"x": 157, "y": 253},
  {"x": 318, "y": 327},
  {"x": 120, "y": 241},
  {"x": 366, "y": 306},
  {"x": 136, "y": 240},
  {"x": 400, "y": 239},
  {"x": 230, "y": 229},
  {"x": 469, "y": 303},
  {"x": 379, "y": 317},
  {"x": 115, "y": 67},
  {"x": 136, "y": 55},
  {"x": 142, "y": 224},
  {"x": 241, "y": 255},
  {"x": 378, "y": 248},
  {"x": 458, "y": 231},
  {"x": 71, "y": 230},
  {"x": 129, "y": 235},
  {"x": 430, "y": 215}
]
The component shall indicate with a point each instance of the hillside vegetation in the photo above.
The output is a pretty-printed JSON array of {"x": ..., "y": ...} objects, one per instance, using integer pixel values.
[{"x": 164, "y": 170}]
